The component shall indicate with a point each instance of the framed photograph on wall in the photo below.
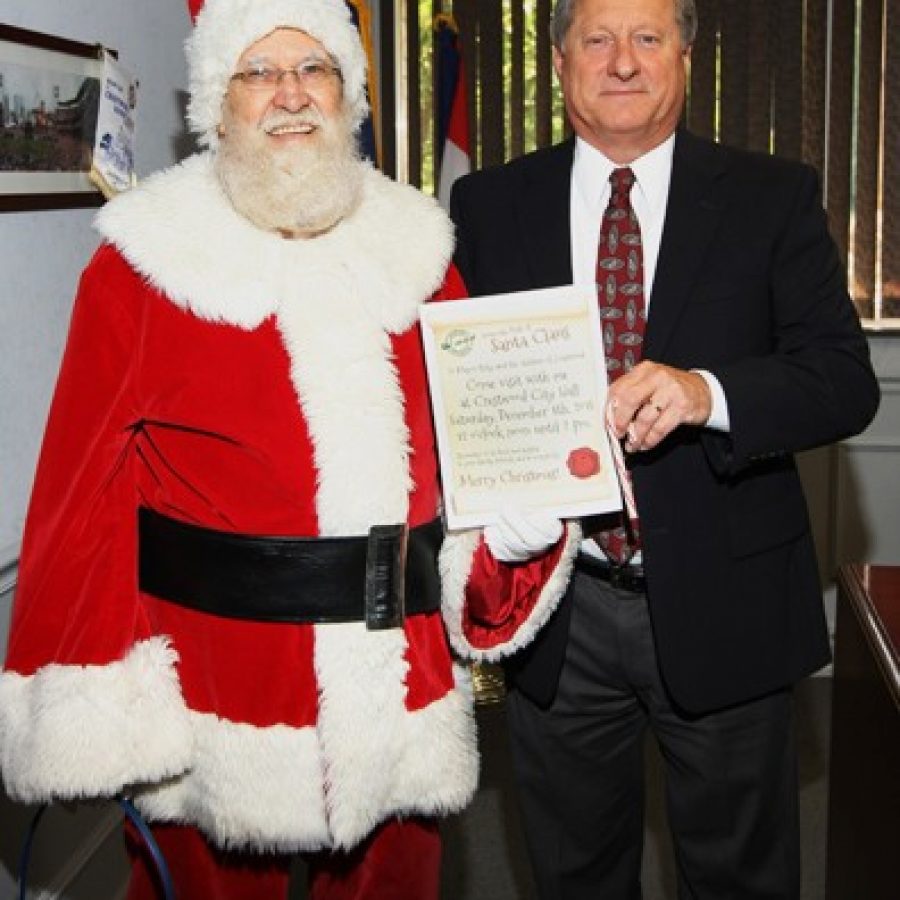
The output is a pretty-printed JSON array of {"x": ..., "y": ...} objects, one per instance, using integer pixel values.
[{"x": 50, "y": 91}]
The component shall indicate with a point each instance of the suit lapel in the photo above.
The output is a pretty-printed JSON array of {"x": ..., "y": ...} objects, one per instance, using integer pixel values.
[
  {"x": 692, "y": 215},
  {"x": 543, "y": 216}
]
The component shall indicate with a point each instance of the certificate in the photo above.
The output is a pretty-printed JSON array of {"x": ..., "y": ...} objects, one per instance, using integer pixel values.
[{"x": 518, "y": 389}]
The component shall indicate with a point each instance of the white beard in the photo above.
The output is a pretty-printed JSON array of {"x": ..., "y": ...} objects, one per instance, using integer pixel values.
[{"x": 299, "y": 190}]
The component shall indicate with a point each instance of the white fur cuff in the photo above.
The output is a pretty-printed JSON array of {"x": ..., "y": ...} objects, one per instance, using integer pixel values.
[
  {"x": 456, "y": 564},
  {"x": 88, "y": 731}
]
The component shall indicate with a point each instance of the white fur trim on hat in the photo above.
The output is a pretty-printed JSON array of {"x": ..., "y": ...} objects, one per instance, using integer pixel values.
[{"x": 226, "y": 28}]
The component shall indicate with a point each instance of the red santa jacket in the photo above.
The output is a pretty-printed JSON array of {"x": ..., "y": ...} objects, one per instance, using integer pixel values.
[{"x": 232, "y": 379}]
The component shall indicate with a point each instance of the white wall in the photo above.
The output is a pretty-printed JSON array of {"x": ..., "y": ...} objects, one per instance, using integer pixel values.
[
  {"x": 41, "y": 255},
  {"x": 853, "y": 488},
  {"x": 867, "y": 473}
]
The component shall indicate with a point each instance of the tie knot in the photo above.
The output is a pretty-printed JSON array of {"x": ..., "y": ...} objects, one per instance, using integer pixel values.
[{"x": 621, "y": 181}]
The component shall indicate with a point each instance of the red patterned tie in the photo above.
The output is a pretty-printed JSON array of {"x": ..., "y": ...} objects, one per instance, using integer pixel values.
[{"x": 620, "y": 293}]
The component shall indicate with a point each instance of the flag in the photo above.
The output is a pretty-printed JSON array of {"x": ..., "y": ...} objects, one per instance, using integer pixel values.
[
  {"x": 453, "y": 120},
  {"x": 368, "y": 142}
]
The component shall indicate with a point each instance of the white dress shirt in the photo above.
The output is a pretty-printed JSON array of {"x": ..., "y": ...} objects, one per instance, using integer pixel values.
[{"x": 649, "y": 197}]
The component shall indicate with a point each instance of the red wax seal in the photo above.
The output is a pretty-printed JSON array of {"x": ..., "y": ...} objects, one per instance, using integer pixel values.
[{"x": 583, "y": 462}]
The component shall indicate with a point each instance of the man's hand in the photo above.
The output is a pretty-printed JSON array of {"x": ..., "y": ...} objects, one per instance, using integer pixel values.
[{"x": 652, "y": 400}]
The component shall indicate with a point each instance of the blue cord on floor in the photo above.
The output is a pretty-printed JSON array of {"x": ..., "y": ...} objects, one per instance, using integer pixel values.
[
  {"x": 134, "y": 817},
  {"x": 25, "y": 858}
]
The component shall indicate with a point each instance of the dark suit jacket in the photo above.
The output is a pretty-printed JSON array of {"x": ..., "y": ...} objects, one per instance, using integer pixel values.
[{"x": 749, "y": 286}]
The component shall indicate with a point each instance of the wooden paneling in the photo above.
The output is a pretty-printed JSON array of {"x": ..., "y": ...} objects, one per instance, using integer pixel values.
[
  {"x": 544, "y": 74},
  {"x": 388, "y": 85},
  {"x": 414, "y": 94},
  {"x": 868, "y": 146},
  {"x": 815, "y": 61},
  {"x": 786, "y": 43},
  {"x": 891, "y": 177},
  {"x": 516, "y": 80},
  {"x": 759, "y": 80},
  {"x": 840, "y": 134},
  {"x": 490, "y": 65},
  {"x": 735, "y": 71},
  {"x": 434, "y": 104},
  {"x": 702, "y": 98}
]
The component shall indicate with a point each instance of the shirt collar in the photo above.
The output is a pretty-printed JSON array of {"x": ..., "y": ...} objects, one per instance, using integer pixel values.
[{"x": 591, "y": 170}]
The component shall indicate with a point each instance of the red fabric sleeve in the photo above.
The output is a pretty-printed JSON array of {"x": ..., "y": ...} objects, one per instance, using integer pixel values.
[
  {"x": 76, "y": 600},
  {"x": 453, "y": 288},
  {"x": 500, "y": 596}
]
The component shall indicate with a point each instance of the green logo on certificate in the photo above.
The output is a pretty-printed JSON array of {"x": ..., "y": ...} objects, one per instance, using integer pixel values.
[{"x": 459, "y": 342}]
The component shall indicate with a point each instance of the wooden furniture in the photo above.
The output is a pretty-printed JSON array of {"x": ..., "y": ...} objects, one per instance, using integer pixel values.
[{"x": 864, "y": 806}]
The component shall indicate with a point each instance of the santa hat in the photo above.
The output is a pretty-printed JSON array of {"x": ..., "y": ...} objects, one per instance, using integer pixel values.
[{"x": 224, "y": 29}]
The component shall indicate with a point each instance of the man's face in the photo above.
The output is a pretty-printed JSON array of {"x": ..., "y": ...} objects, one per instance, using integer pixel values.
[
  {"x": 622, "y": 69},
  {"x": 293, "y": 111}
]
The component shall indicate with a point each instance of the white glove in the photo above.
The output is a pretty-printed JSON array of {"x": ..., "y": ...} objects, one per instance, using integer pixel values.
[{"x": 517, "y": 535}]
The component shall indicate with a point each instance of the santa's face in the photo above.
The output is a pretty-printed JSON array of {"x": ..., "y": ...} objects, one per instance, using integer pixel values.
[
  {"x": 287, "y": 156},
  {"x": 286, "y": 87}
]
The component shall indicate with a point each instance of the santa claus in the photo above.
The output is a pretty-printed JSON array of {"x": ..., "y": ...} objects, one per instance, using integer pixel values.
[{"x": 237, "y": 482}]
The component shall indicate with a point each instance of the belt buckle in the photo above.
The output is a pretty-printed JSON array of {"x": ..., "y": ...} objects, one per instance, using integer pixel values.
[
  {"x": 619, "y": 576},
  {"x": 627, "y": 577},
  {"x": 386, "y": 576}
]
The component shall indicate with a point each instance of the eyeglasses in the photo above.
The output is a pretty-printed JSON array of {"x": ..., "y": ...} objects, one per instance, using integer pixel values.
[{"x": 311, "y": 73}]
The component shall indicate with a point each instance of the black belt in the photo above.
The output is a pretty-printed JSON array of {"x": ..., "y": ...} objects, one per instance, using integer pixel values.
[
  {"x": 627, "y": 577},
  {"x": 284, "y": 579}
]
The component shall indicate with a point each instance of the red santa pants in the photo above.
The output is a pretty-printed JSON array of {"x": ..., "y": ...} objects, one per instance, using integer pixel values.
[{"x": 399, "y": 861}]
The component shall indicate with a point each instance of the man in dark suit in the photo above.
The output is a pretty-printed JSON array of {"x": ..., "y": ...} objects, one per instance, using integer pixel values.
[{"x": 752, "y": 351}]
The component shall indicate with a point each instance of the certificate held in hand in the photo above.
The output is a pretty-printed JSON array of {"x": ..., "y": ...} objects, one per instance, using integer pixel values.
[{"x": 518, "y": 389}]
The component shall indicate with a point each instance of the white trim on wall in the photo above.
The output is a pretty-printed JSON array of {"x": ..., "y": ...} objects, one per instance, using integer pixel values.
[
  {"x": 107, "y": 826},
  {"x": 9, "y": 568},
  {"x": 867, "y": 489},
  {"x": 8, "y": 576}
]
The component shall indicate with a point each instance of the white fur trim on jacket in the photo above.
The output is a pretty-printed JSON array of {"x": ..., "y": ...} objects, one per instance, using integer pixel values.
[
  {"x": 89, "y": 731},
  {"x": 261, "y": 789},
  {"x": 348, "y": 389},
  {"x": 226, "y": 28},
  {"x": 380, "y": 758},
  {"x": 456, "y": 564},
  {"x": 247, "y": 787},
  {"x": 180, "y": 232}
]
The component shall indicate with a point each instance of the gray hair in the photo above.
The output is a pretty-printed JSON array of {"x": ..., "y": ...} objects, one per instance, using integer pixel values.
[{"x": 685, "y": 16}]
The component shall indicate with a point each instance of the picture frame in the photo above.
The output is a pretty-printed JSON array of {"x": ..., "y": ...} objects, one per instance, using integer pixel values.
[{"x": 49, "y": 102}]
